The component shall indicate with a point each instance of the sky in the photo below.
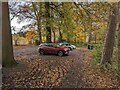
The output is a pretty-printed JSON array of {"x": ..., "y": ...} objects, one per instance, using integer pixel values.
[{"x": 17, "y": 26}]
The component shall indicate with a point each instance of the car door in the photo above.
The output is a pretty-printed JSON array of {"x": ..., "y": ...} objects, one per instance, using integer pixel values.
[
  {"x": 50, "y": 49},
  {"x": 46, "y": 49},
  {"x": 53, "y": 50}
]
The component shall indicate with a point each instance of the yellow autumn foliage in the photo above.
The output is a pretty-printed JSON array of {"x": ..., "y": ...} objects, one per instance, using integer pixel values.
[
  {"x": 80, "y": 35},
  {"x": 30, "y": 35}
]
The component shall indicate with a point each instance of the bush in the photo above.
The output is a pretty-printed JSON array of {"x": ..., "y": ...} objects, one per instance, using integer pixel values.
[
  {"x": 96, "y": 54},
  {"x": 37, "y": 42},
  {"x": 97, "y": 57},
  {"x": 81, "y": 44}
]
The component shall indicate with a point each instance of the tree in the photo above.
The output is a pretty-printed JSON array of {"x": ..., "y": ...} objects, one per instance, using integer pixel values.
[
  {"x": 28, "y": 11},
  {"x": 48, "y": 28},
  {"x": 109, "y": 39},
  {"x": 38, "y": 15},
  {"x": 65, "y": 17},
  {"x": 30, "y": 36},
  {"x": 15, "y": 38},
  {"x": 119, "y": 39},
  {"x": 7, "y": 49}
]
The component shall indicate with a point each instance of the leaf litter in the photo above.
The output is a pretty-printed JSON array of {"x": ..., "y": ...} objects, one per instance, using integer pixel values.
[{"x": 51, "y": 71}]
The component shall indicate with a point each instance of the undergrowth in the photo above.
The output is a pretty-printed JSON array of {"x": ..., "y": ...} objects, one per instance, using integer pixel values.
[{"x": 97, "y": 53}]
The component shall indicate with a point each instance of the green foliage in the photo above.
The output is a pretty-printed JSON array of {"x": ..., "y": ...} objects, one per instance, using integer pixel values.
[
  {"x": 96, "y": 54},
  {"x": 114, "y": 59},
  {"x": 21, "y": 34},
  {"x": 65, "y": 17},
  {"x": 80, "y": 44},
  {"x": 37, "y": 42},
  {"x": 97, "y": 57}
]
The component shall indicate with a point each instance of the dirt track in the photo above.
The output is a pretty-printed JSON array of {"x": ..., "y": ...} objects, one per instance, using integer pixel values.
[{"x": 50, "y": 71}]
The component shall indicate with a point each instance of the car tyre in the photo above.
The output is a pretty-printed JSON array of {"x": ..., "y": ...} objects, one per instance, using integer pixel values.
[
  {"x": 60, "y": 53},
  {"x": 70, "y": 48},
  {"x": 42, "y": 52}
]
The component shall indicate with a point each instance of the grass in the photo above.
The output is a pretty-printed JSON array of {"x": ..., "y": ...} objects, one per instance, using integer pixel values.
[
  {"x": 97, "y": 57},
  {"x": 96, "y": 54}
]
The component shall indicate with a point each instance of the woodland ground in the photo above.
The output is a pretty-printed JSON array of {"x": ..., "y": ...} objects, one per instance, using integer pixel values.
[{"x": 51, "y": 71}]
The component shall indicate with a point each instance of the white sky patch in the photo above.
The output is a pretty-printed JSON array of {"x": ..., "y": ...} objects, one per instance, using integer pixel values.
[
  {"x": 17, "y": 26},
  {"x": 60, "y": 0},
  {"x": 76, "y": 1}
]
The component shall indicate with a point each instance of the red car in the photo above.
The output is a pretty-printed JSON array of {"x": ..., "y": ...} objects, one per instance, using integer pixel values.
[{"x": 48, "y": 48}]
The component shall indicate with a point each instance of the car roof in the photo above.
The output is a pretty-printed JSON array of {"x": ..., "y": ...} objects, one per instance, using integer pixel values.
[
  {"x": 48, "y": 44},
  {"x": 64, "y": 43}
]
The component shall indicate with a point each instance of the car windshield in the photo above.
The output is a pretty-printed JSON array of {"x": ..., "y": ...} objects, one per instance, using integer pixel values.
[
  {"x": 43, "y": 44},
  {"x": 56, "y": 45},
  {"x": 64, "y": 44}
]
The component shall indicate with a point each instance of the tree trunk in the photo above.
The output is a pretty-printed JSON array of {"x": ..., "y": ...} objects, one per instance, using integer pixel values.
[
  {"x": 60, "y": 35},
  {"x": 109, "y": 39},
  {"x": 89, "y": 33},
  {"x": 88, "y": 37},
  {"x": 95, "y": 37},
  {"x": 119, "y": 41},
  {"x": 39, "y": 32},
  {"x": 38, "y": 18},
  {"x": 48, "y": 28},
  {"x": 16, "y": 41},
  {"x": 54, "y": 36},
  {"x": 1, "y": 45},
  {"x": 7, "y": 48}
]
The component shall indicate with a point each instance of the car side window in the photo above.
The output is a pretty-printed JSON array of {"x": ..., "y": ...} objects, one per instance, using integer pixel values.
[
  {"x": 67, "y": 45},
  {"x": 62, "y": 44},
  {"x": 50, "y": 45}
]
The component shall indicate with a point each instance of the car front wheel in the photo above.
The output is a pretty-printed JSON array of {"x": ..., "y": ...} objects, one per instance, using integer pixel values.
[
  {"x": 42, "y": 52},
  {"x": 60, "y": 53},
  {"x": 70, "y": 48}
]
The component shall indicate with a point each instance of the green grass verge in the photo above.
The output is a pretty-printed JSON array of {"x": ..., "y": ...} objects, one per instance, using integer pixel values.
[{"x": 97, "y": 57}]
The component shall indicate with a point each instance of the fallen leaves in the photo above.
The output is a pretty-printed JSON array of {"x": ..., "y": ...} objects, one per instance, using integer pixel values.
[
  {"x": 39, "y": 74},
  {"x": 95, "y": 78},
  {"x": 49, "y": 71}
]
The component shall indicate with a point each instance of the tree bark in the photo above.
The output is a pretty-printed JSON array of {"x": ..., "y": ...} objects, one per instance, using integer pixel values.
[
  {"x": 109, "y": 40},
  {"x": 95, "y": 39},
  {"x": 0, "y": 45},
  {"x": 60, "y": 35},
  {"x": 48, "y": 28},
  {"x": 54, "y": 37},
  {"x": 7, "y": 48},
  {"x": 119, "y": 41},
  {"x": 16, "y": 42},
  {"x": 39, "y": 32},
  {"x": 38, "y": 18},
  {"x": 88, "y": 37}
]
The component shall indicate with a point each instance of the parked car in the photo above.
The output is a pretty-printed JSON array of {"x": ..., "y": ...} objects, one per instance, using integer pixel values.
[
  {"x": 49, "y": 48},
  {"x": 68, "y": 45}
]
